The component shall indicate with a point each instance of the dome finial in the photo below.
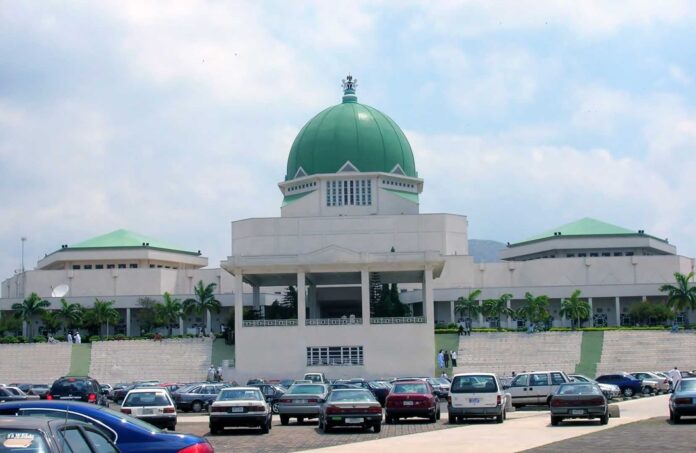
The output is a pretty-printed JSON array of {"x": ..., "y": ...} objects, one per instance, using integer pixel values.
[{"x": 349, "y": 84}]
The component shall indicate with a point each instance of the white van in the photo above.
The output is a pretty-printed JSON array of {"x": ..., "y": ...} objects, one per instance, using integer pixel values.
[
  {"x": 315, "y": 378},
  {"x": 477, "y": 395}
]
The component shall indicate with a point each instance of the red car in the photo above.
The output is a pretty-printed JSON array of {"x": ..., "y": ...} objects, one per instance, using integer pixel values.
[{"x": 412, "y": 399}]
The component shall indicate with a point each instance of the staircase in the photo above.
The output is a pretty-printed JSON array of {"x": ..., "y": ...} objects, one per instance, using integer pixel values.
[{"x": 38, "y": 363}]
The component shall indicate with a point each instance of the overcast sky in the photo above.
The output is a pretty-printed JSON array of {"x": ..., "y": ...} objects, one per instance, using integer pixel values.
[{"x": 174, "y": 119}]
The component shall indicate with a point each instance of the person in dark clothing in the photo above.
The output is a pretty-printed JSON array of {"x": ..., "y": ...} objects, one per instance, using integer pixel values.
[{"x": 447, "y": 359}]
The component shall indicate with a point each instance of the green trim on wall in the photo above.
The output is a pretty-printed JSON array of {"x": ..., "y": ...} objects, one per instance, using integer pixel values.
[
  {"x": 410, "y": 196},
  {"x": 80, "y": 359},
  {"x": 294, "y": 197},
  {"x": 590, "y": 353}
]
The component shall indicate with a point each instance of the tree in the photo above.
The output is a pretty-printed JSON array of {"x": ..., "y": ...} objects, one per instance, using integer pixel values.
[
  {"x": 204, "y": 301},
  {"x": 70, "y": 315},
  {"x": 495, "y": 308},
  {"x": 149, "y": 315},
  {"x": 575, "y": 309},
  {"x": 469, "y": 304},
  {"x": 375, "y": 291},
  {"x": 30, "y": 308},
  {"x": 535, "y": 308},
  {"x": 290, "y": 301},
  {"x": 102, "y": 313},
  {"x": 169, "y": 311},
  {"x": 51, "y": 320},
  {"x": 682, "y": 296},
  {"x": 648, "y": 313},
  {"x": 12, "y": 324}
]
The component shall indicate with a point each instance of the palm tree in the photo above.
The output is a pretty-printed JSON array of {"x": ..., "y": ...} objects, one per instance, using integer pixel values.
[
  {"x": 204, "y": 301},
  {"x": 31, "y": 307},
  {"x": 575, "y": 309},
  {"x": 51, "y": 321},
  {"x": 69, "y": 314},
  {"x": 103, "y": 312},
  {"x": 681, "y": 296},
  {"x": 469, "y": 304},
  {"x": 170, "y": 310},
  {"x": 535, "y": 308},
  {"x": 495, "y": 308}
]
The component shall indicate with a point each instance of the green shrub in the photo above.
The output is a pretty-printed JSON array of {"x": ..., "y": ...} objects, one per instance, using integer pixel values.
[
  {"x": 11, "y": 339},
  {"x": 60, "y": 338},
  {"x": 443, "y": 330},
  {"x": 94, "y": 338},
  {"x": 39, "y": 339},
  {"x": 149, "y": 336},
  {"x": 22, "y": 339},
  {"x": 120, "y": 337}
]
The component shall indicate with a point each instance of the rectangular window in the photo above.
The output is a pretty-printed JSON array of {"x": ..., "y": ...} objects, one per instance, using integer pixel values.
[
  {"x": 335, "y": 356},
  {"x": 345, "y": 192},
  {"x": 99, "y": 266},
  {"x": 133, "y": 266},
  {"x": 582, "y": 255},
  {"x": 110, "y": 266},
  {"x": 88, "y": 266},
  {"x": 570, "y": 255},
  {"x": 76, "y": 267},
  {"x": 629, "y": 253},
  {"x": 328, "y": 193},
  {"x": 352, "y": 199},
  {"x": 121, "y": 266},
  {"x": 618, "y": 254},
  {"x": 606, "y": 254},
  {"x": 152, "y": 266},
  {"x": 594, "y": 254}
]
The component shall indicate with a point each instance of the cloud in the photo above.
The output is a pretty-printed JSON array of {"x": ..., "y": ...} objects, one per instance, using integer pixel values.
[{"x": 680, "y": 76}]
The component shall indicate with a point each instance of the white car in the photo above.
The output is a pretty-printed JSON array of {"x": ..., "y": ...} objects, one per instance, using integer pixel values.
[
  {"x": 536, "y": 387},
  {"x": 240, "y": 406},
  {"x": 477, "y": 395},
  {"x": 610, "y": 391},
  {"x": 153, "y": 405}
]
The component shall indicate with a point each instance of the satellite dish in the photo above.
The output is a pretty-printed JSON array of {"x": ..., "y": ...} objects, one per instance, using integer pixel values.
[{"x": 60, "y": 291}]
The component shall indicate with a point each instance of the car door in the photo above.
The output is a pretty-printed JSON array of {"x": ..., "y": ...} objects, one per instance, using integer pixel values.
[
  {"x": 539, "y": 387},
  {"x": 519, "y": 389},
  {"x": 557, "y": 378}
]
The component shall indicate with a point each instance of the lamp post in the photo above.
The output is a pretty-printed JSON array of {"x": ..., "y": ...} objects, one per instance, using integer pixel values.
[{"x": 24, "y": 239}]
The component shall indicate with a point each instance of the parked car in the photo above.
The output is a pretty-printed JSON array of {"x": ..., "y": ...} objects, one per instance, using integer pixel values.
[
  {"x": 682, "y": 402},
  {"x": 536, "y": 387},
  {"x": 40, "y": 390},
  {"x": 351, "y": 407},
  {"x": 272, "y": 393},
  {"x": 610, "y": 391},
  {"x": 665, "y": 376},
  {"x": 50, "y": 435},
  {"x": 255, "y": 381},
  {"x": 7, "y": 395},
  {"x": 628, "y": 384},
  {"x": 414, "y": 398},
  {"x": 17, "y": 391},
  {"x": 342, "y": 385},
  {"x": 476, "y": 395},
  {"x": 379, "y": 389},
  {"x": 128, "y": 433},
  {"x": 154, "y": 406},
  {"x": 579, "y": 400},
  {"x": 652, "y": 381},
  {"x": 118, "y": 392},
  {"x": 22, "y": 386},
  {"x": 316, "y": 378},
  {"x": 240, "y": 406},
  {"x": 197, "y": 397},
  {"x": 441, "y": 389},
  {"x": 302, "y": 401},
  {"x": 77, "y": 388}
]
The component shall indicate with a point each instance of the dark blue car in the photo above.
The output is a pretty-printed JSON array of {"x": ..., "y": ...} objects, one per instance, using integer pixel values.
[
  {"x": 129, "y": 434},
  {"x": 628, "y": 384}
]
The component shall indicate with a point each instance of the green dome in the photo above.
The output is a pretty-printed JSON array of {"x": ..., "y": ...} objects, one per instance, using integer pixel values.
[{"x": 353, "y": 132}]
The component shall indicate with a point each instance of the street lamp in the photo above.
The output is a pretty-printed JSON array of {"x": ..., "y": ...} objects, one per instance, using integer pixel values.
[
  {"x": 24, "y": 279},
  {"x": 24, "y": 239}
]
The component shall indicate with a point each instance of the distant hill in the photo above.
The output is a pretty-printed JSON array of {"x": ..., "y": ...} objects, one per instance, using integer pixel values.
[{"x": 484, "y": 250}]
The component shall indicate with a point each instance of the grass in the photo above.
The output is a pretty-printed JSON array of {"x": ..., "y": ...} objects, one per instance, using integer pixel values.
[
  {"x": 590, "y": 353},
  {"x": 222, "y": 351},
  {"x": 80, "y": 359},
  {"x": 448, "y": 342}
]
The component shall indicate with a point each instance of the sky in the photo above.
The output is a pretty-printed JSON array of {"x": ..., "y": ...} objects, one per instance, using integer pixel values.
[{"x": 173, "y": 119}]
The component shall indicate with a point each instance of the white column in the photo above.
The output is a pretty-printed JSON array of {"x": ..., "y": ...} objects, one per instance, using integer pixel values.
[
  {"x": 301, "y": 298},
  {"x": 452, "y": 311},
  {"x": 428, "y": 302},
  {"x": 181, "y": 325},
  {"x": 509, "y": 318},
  {"x": 238, "y": 303},
  {"x": 208, "y": 322},
  {"x": 256, "y": 296},
  {"x": 24, "y": 328},
  {"x": 128, "y": 322},
  {"x": 480, "y": 314},
  {"x": 589, "y": 301},
  {"x": 365, "y": 295},
  {"x": 617, "y": 307}
]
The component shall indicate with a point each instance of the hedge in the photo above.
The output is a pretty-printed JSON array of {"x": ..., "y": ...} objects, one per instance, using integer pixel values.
[{"x": 559, "y": 329}]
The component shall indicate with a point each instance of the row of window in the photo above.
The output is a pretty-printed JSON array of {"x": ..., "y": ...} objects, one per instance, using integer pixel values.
[
  {"x": 334, "y": 355},
  {"x": 591, "y": 254},
  {"x": 390, "y": 182},
  {"x": 308, "y": 185},
  {"x": 349, "y": 193},
  {"x": 87, "y": 267}
]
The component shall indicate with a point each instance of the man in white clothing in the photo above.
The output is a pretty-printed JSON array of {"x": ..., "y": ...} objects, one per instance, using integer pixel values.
[{"x": 675, "y": 376}]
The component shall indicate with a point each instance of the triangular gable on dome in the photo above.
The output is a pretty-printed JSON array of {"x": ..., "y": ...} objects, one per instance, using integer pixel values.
[
  {"x": 397, "y": 170},
  {"x": 348, "y": 167},
  {"x": 300, "y": 173}
]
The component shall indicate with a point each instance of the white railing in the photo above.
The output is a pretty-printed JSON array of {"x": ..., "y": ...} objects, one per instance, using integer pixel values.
[
  {"x": 332, "y": 321},
  {"x": 401, "y": 320},
  {"x": 270, "y": 323}
]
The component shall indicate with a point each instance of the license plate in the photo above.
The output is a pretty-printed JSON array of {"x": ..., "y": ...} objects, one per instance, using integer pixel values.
[
  {"x": 354, "y": 419},
  {"x": 577, "y": 412},
  {"x": 237, "y": 409},
  {"x": 300, "y": 401},
  {"x": 408, "y": 403},
  {"x": 474, "y": 400},
  {"x": 148, "y": 411}
]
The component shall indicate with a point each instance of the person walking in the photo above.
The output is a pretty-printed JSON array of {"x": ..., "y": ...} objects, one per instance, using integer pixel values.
[
  {"x": 78, "y": 339},
  {"x": 467, "y": 329},
  {"x": 447, "y": 359},
  {"x": 453, "y": 355},
  {"x": 461, "y": 327},
  {"x": 441, "y": 360},
  {"x": 69, "y": 337},
  {"x": 219, "y": 373},
  {"x": 211, "y": 373},
  {"x": 675, "y": 376}
]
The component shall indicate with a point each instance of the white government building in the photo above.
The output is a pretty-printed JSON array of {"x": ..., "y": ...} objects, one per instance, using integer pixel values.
[{"x": 350, "y": 219}]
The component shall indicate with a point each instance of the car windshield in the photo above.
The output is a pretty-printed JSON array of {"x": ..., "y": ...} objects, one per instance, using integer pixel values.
[
  {"x": 352, "y": 395},
  {"x": 579, "y": 389},
  {"x": 240, "y": 395},
  {"x": 687, "y": 385},
  {"x": 474, "y": 384},
  {"x": 306, "y": 389},
  {"x": 22, "y": 440},
  {"x": 68, "y": 386},
  {"x": 146, "y": 399},
  {"x": 410, "y": 388},
  {"x": 580, "y": 378}
]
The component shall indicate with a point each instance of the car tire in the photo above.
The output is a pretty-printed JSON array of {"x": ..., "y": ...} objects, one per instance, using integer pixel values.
[
  {"x": 172, "y": 427},
  {"x": 604, "y": 419},
  {"x": 674, "y": 417},
  {"x": 437, "y": 414},
  {"x": 388, "y": 419},
  {"x": 555, "y": 421},
  {"x": 500, "y": 418},
  {"x": 627, "y": 392},
  {"x": 646, "y": 390},
  {"x": 432, "y": 418},
  {"x": 326, "y": 428},
  {"x": 274, "y": 408},
  {"x": 284, "y": 420},
  {"x": 451, "y": 419},
  {"x": 377, "y": 427},
  {"x": 300, "y": 420},
  {"x": 265, "y": 427},
  {"x": 197, "y": 406},
  {"x": 214, "y": 430}
]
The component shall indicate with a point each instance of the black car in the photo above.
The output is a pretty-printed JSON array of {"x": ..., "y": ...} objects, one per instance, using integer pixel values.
[
  {"x": 379, "y": 389},
  {"x": 272, "y": 393},
  {"x": 196, "y": 397},
  {"x": 78, "y": 388},
  {"x": 52, "y": 435},
  {"x": 7, "y": 396}
]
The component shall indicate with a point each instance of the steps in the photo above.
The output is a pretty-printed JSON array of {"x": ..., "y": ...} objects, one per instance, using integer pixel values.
[{"x": 38, "y": 363}]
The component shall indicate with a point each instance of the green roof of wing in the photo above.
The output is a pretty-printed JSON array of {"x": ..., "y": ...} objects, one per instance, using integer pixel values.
[
  {"x": 583, "y": 227},
  {"x": 294, "y": 197},
  {"x": 410, "y": 196},
  {"x": 125, "y": 238}
]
